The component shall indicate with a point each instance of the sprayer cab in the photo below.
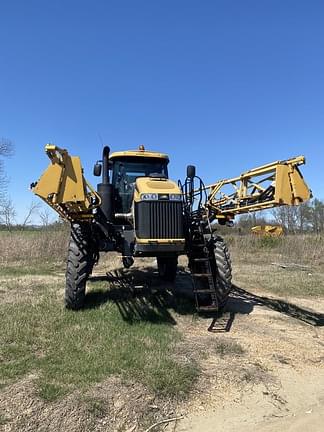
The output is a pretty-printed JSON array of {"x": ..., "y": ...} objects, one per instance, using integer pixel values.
[{"x": 120, "y": 171}]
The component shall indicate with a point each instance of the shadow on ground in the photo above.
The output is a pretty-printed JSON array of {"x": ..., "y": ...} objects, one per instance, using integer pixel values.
[
  {"x": 244, "y": 300},
  {"x": 140, "y": 295}
]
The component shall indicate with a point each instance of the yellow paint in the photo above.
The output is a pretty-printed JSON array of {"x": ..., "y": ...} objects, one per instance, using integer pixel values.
[
  {"x": 286, "y": 186},
  {"x": 268, "y": 230},
  {"x": 139, "y": 153},
  {"x": 63, "y": 187},
  {"x": 158, "y": 186},
  {"x": 160, "y": 241}
]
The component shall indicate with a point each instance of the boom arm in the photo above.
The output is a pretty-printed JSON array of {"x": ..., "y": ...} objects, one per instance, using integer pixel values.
[
  {"x": 64, "y": 188},
  {"x": 278, "y": 183}
]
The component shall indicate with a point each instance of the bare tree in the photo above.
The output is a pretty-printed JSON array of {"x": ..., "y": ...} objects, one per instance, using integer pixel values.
[
  {"x": 31, "y": 211},
  {"x": 308, "y": 216},
  {"x": 7, "y": 214},
  {"x": 287, "y": 216},
  {"x": 317, "y": 216},
  {"x": 45, "y": 217},
  {"x": 304, "y": 216},
  {"x": 6, "y": 150},
  {"x": 249, "y": 220}
]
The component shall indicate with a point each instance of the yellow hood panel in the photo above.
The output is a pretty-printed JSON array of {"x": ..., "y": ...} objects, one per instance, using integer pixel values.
[{"x": 149, "y": 185}]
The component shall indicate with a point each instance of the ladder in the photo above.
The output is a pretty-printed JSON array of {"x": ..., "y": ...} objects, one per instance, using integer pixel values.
[{"x": 204, "y": 284}]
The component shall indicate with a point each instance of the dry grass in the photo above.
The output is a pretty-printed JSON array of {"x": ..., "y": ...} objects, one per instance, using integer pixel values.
[
  {"x": 255, "y": 264},
  {"x": 228, "y": 347},
  {"x": 44, "y": 252},
  {"x": 31, "y": 247},
  {"x": 307, "y": 249},
  {"x": 38, "y": 335}
]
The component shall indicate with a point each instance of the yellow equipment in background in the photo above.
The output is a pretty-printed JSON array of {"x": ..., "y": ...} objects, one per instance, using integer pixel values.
[{"x": 268, "y": 230}]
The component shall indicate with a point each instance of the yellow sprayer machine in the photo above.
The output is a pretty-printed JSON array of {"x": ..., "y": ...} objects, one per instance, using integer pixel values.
[{"x": 139, "y": 212}]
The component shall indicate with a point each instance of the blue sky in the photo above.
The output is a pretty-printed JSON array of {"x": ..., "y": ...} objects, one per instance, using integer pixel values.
[{"x": 223, "y": 84}]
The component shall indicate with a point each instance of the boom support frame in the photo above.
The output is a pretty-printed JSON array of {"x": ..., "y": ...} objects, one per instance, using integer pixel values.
[
  {"x": 275, "y": 184},
  {"x": 64, "y": 188}
]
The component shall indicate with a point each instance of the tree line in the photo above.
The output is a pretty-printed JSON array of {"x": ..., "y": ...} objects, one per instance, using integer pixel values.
[
  {"x": 307, "y": 217},
  {"x": 7, "y": 208}
]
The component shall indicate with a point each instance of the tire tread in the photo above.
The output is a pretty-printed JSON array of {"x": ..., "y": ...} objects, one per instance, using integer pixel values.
[{"x": 79, "y": 266}]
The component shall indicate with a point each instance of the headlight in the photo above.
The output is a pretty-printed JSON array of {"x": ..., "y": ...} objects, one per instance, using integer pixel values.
[
  {"x": 175, "y": 197},
  {"x": 149, "y": 197}
]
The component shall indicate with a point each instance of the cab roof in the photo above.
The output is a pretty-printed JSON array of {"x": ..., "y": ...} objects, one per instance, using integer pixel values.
[{"x": 141, "y": 152}]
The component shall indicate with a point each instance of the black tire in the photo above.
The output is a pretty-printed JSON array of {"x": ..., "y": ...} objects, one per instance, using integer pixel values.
[
  {"x": 222, "y": 270},
  {"x": 167, "y": 267},
  {"x": 79, "y": 266}
]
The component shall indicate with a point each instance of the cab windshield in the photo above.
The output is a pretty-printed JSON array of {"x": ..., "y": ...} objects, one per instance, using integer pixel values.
[{"x": 127, "y": 170}]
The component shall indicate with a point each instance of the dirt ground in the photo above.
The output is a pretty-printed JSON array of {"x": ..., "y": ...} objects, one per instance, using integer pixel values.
[
  {"x": 262, "y": 370},
  {"x": 278, "y": 384}
]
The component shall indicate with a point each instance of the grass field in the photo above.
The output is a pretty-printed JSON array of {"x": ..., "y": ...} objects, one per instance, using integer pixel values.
[
  {"x": 287, "y": 266},
  {"x": 68, "y": 351}
]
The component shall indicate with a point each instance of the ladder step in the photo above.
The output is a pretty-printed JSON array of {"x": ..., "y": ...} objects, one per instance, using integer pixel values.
[
  {"x": 210, "y": 291},
  {"x": 200, "y": 259},
  {"x": 207, "y": 308},
  {"x": 202, "y": 274}
]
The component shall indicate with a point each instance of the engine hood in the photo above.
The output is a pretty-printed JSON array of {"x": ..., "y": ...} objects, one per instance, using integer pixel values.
[{"x": 155, "y": 185}]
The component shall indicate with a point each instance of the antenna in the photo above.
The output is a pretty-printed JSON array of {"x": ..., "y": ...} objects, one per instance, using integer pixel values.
[{"x": 100, "y": 139}]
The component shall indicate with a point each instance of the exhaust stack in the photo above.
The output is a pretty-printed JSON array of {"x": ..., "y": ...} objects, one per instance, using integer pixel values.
[{"x": 105, "y": 189}]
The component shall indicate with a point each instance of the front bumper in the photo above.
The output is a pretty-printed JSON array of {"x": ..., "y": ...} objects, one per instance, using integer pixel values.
[{"x": 159, "y": 247}]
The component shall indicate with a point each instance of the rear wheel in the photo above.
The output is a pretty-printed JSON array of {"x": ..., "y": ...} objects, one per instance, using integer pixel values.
[
  {"x": 79, "y": 265},
  {"x": 167, "y": 267},
  {"x": 221, "y": 267}
]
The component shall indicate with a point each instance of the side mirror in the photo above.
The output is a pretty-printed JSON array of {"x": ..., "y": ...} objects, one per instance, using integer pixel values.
[
  {"x": 97, "y": 169},
  {"x": 191, "y": 171}
]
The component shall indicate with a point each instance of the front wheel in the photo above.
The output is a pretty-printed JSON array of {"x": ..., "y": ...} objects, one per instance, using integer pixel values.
[
  {"x": 167, "y": 267},
  {"x": 222, "y": 270},
  {"x": 79, "y": 266}
]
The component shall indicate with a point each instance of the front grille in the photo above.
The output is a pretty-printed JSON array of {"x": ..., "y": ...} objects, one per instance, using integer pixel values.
[{"x": 159, "y": 220}]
